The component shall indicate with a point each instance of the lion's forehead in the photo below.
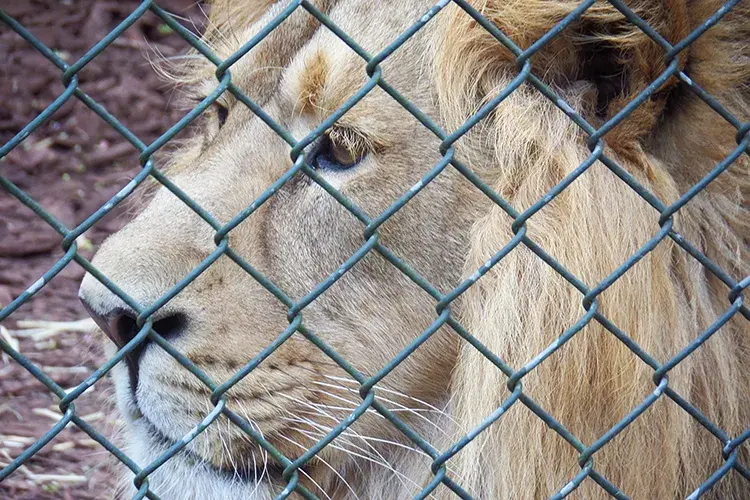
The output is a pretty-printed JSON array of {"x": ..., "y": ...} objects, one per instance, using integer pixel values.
[{"x": 306, "y": 64}]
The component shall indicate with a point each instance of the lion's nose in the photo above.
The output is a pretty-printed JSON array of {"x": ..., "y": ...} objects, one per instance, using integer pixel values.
[{"x": 120, "y": 324}]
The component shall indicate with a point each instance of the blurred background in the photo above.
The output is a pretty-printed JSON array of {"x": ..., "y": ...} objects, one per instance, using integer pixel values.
[{"x": 71, "y": 165}]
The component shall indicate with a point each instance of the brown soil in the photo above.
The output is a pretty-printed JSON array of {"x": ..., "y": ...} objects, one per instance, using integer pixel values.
[{"x": 71, "y": 165}]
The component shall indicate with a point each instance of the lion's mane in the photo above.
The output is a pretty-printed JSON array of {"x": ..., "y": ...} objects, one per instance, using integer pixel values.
[{"x": 663, "y": 303}]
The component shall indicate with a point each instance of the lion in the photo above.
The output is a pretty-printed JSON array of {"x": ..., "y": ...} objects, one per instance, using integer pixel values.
[{"x": 299, "y": 75}]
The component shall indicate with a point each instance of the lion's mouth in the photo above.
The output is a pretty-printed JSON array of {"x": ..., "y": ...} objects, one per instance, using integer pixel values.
[{"x": 248, "y": 471}]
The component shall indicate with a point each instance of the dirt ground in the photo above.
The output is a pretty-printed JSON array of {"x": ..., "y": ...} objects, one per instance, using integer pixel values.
[{"x": 71, "y": 165}]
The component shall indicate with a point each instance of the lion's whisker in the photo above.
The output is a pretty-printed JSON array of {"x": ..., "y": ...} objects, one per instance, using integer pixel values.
[
  {"x": 388, "y": 390},
  {"x": 356, "y": 434},
  {"x": 362, "y": 437},
  {"x": 263, "y": 452},
  {"x": 404, "y": 408},
  {"x": 350, "y": 433},
  {"x": 323, "y": 461},
  {"x": 320, "y": 412},
  {"x": 387, "y": 465},
  {"x": 324, "y": 430}
]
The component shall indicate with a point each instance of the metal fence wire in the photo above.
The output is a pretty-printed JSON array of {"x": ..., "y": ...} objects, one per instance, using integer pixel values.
[{"x": 69, "y": 74}]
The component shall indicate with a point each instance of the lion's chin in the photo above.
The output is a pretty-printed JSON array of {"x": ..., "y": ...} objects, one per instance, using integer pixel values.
[{"x": 187, "y": 475}]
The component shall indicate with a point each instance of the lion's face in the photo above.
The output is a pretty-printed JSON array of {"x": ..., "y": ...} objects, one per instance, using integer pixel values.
[
  {"x": 375, "y": 154},
  {"x": 298, "y": 239}
]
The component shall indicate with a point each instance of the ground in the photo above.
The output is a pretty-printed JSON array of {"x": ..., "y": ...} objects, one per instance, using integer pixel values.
[{"x": 71, "y": 165}]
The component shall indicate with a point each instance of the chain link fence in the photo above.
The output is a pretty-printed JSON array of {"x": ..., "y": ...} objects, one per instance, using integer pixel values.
[{"x": 291, "y": 468}]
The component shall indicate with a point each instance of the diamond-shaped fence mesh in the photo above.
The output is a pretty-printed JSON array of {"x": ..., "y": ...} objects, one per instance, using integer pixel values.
[{"x": 367, "y": 389}]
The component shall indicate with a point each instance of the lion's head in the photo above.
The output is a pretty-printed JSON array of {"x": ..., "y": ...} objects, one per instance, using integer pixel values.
[{"x": 375, "y": 154}]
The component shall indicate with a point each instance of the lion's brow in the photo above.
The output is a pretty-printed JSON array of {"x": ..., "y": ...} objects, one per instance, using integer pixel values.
[{"x": 312, "y": 80}]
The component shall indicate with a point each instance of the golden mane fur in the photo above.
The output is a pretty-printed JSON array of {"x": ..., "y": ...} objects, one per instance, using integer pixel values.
[
  {"x": 521, "y": 306},
  {"x": 663, "y": 303}
]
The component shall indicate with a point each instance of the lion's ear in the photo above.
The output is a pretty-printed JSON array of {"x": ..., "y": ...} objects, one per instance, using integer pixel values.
[
  {"x": 228, "y": 15},
  {"x": 600, "y": 54}
]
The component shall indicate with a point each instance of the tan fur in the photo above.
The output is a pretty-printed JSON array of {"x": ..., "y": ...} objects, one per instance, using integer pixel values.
[
  {"x": 300, "y": 74},
  {"x": 313, "y": 81}
]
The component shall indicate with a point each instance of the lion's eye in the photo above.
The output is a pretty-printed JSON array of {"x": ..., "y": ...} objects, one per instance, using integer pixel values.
[
  {"x": 329, "y": 155},
  {"x": 222, "y": 112}
]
